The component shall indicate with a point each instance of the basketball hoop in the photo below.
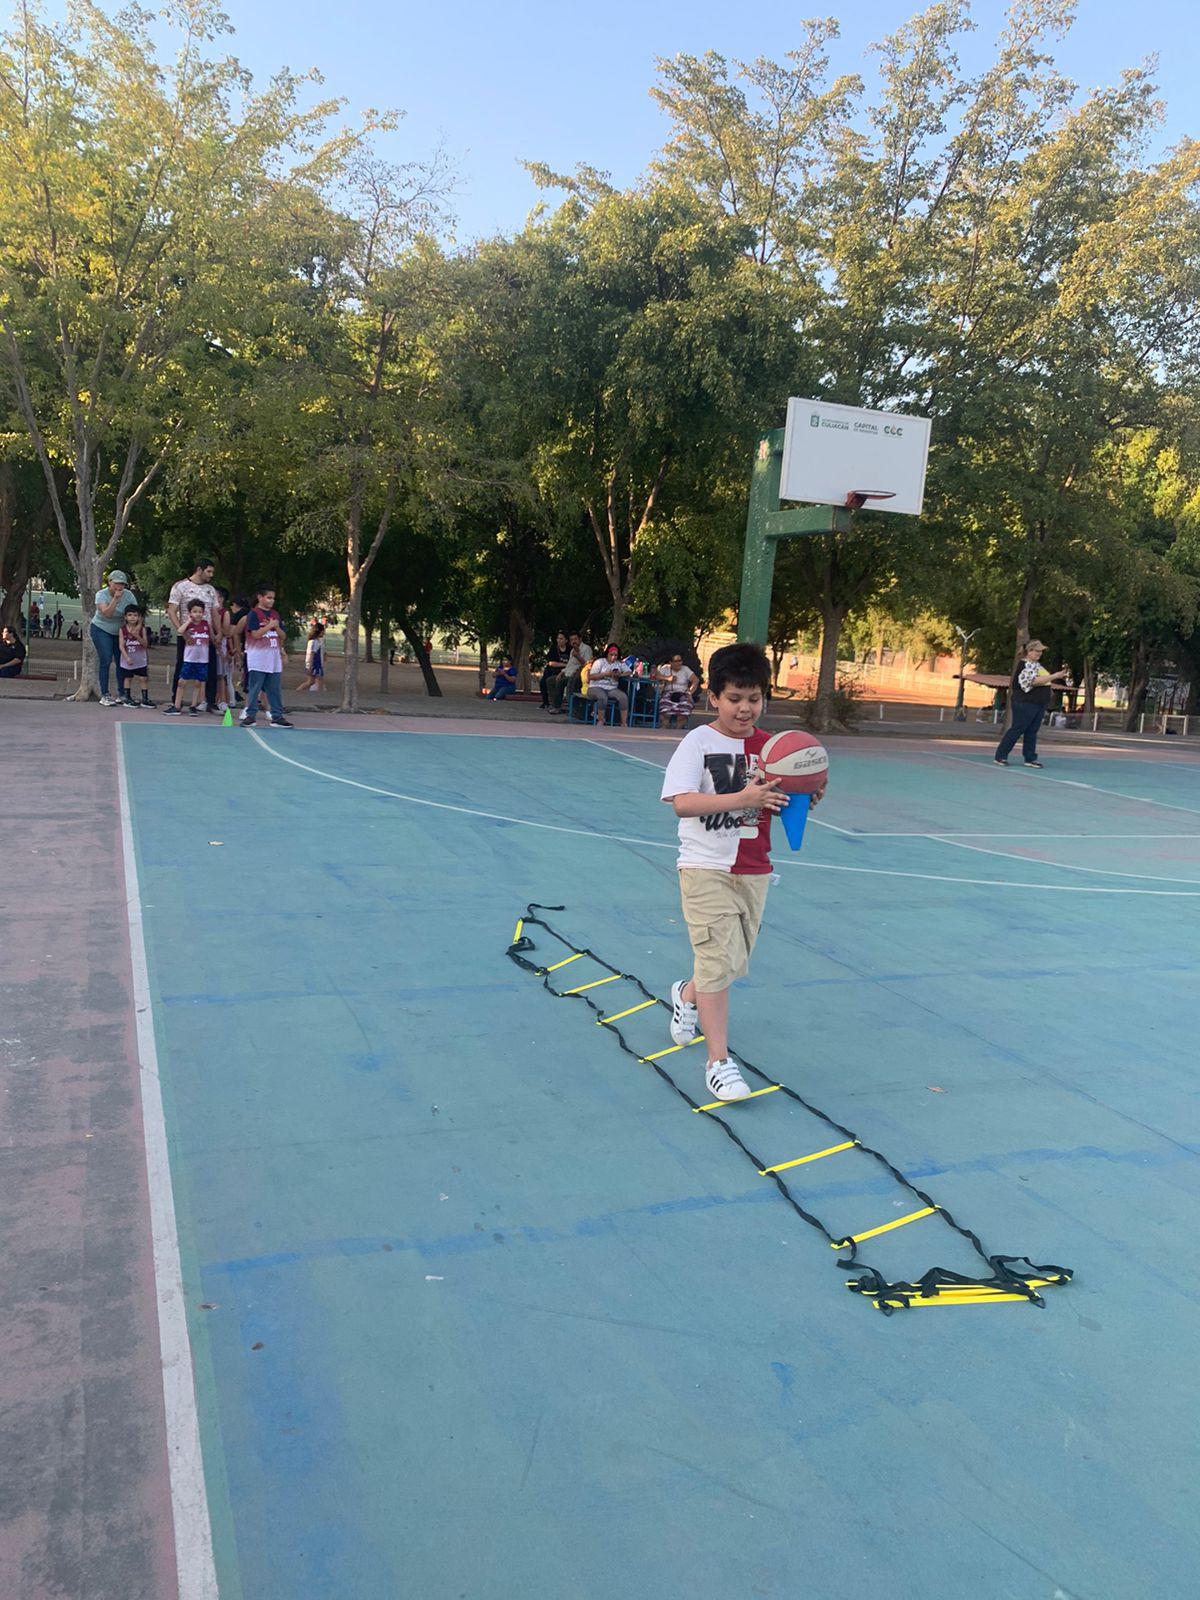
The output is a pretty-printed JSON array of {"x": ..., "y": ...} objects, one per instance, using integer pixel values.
[{"x": 857, "y": 498}]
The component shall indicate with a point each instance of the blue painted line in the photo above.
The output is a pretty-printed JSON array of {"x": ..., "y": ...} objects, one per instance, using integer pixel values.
[{"x": 607, "y": 1223}]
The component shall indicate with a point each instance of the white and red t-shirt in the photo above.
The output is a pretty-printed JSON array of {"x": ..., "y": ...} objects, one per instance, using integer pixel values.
[
  {"x": 708, "y": 762},
  {"x": 265, "y": 654}
]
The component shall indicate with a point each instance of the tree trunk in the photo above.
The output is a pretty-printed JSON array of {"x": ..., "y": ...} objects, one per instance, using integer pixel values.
[
  {"x": 412, "y": 633},
  {"x": 520, "y": 644},
  {"x": 350, "y": 645},
  {"x": 1139, "y": 684},
  {"x": 385, "y": 655},
  {"x": 1024, "y": 607},
  {"x": 483, "y": 666},
  {"x": 89, "y": 666},
  {"x": 1089, "y": 686},
  {"x": 369, "y": 656},
  {"x": 833, "y": 615},
  {"x": 618, "y": 616}
]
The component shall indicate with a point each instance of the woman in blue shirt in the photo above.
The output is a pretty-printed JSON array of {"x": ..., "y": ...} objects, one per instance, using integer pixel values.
[{"x": 112, "y": 602}]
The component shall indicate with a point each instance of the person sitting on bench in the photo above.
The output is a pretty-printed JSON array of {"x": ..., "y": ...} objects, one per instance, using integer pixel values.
[{"x": 604, "y": 685}]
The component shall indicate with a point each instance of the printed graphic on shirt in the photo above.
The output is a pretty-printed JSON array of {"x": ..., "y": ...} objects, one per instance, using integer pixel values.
[
  {"x": 709, "y": 762},
  {"x": 729, "y": 774}
]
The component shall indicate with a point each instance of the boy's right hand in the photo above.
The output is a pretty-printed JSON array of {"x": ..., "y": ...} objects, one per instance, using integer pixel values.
[{"x": 762, "y": 793}]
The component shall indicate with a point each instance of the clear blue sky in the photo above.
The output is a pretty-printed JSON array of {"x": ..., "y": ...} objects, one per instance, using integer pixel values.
[{"x": 567, "y": 82}]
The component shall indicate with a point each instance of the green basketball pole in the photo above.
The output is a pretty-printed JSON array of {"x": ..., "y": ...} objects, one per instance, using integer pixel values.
[{"x": 765, "y": 524}]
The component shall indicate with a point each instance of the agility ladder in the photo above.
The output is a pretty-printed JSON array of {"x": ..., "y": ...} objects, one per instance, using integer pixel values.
[{"x": 1003, "y": 1282}]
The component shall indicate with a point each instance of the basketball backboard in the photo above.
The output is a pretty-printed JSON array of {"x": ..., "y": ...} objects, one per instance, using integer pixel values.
[{"x": 845, "y": 456}]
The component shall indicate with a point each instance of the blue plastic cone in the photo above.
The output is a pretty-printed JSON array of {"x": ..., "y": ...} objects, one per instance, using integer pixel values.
[{"x": 794, "y": 816}]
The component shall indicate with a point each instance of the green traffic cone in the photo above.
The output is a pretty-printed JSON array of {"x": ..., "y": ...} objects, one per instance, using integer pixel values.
[{"x": 227, "y": 719}]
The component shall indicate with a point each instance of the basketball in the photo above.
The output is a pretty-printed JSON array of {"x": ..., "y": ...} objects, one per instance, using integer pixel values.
[{"x": 799, "y": 761}]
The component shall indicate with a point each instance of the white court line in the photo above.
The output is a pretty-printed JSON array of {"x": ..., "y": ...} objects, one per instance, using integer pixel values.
[
  {"x": 189, "y": 1499},
  {"x": 969, "y": 833},
  {"x": 1072, "y": 783},
  {"x": 1059, "y": 866},
  {"x": 936, "y": 838},
  {"x": 659, "y": 844},
  {"x": 948, "y": 835},
  {"x": 466, "y": 811}
]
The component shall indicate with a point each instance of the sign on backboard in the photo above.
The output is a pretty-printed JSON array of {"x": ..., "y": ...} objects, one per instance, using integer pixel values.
[{"x": 831, "y": 452}]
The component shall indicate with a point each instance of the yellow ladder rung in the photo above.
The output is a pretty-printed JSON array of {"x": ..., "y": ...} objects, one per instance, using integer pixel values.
[
  {"x": 658, "y": 1054},
  {"x": 517, "y": 931},
  {"x": 817, "y": 1155},
  {"x": 600, "y": 1021},
  {"x": 969, "y": 1299},
  {"x": 616, "y": 978},
  {"x": 566, "y": 963},
  {"x": 873, "y": 1233},
  {"x": 987, "y": 1289},
  {"x": 971, "y": 1289},
  {"x": 723, "y": 1105}
]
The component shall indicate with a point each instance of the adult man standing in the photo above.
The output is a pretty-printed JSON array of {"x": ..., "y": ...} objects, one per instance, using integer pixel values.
[
  {"x": 1032, "y": 688},
  {"x": 567, "y": 682},
  {"x": 198, "y": 587}
]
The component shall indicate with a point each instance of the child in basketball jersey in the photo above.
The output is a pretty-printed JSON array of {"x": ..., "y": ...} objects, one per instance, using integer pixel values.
[
  {"x": 724, "y": 804},
  {"x": 135, "y": 658},
  {"x": 198, "y": 641},
  {"x": 266, "y": 658}
]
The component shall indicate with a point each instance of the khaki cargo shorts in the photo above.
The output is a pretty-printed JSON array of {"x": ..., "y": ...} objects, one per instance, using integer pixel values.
[{"x": 723, "y": 911}]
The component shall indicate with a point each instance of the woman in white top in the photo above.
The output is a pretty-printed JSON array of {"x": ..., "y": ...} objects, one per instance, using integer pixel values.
[
  {"x": 604, "y": 685},
  {"x": 680, "y": 685}
]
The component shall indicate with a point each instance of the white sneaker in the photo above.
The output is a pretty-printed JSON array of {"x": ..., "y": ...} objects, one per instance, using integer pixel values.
[
  {"x": 685, "y": 1019},
  {"x": 725, "y": 1082},
  {"x": 107, "y": 700}
]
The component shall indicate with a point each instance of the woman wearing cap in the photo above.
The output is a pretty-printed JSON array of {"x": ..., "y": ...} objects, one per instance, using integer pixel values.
[
  {"x": 112, "y": 602},
  {"x": 1032, "y": 687}
]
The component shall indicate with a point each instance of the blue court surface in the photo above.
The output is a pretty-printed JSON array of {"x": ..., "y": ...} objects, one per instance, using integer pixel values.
[{"x": 491, "y": 1314}]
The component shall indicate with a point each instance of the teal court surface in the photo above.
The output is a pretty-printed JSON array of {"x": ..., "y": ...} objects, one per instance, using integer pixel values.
[{"x": 478, "y": 1309}]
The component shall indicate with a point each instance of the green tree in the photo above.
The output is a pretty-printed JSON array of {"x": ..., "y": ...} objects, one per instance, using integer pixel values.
[
  {"x": 652, "y": 341},
  {"x": 134, "y": 201}
]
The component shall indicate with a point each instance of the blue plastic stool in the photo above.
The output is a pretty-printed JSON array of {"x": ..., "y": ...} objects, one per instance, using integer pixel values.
[{"x": 581, "y": 709}]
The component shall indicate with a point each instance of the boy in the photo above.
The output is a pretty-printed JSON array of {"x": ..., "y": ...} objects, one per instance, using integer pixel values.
[
  {"x": 135, "y": 657},
  {"x": 724, "y": 805},
  {"x": 197, "y": 637},
  {"x": 265, "y": 660}
]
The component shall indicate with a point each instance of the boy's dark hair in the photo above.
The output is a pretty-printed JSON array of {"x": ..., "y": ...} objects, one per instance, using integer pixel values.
[
  {"x": 739, "y": 666},
  {"x": 192, "y": 604},
  {"x": 264, "y": 588},
  {"x": 134, "y": 611}
]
